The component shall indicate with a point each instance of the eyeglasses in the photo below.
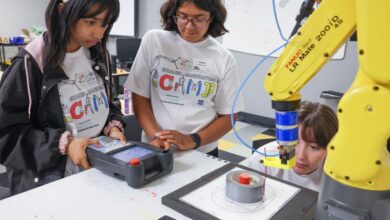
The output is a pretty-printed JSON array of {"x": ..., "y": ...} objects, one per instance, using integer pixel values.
[{"x": 200, "y": 23}]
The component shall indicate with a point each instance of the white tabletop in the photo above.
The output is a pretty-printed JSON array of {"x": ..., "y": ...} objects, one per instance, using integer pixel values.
[{"x": 95, "y": 195}]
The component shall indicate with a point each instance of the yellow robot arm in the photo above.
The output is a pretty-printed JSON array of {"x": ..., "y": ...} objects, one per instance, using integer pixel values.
[
  {"x": 357, "y": 180},
  {"x": 322, "y": 34},
  {"x": 362, "y": 143}
]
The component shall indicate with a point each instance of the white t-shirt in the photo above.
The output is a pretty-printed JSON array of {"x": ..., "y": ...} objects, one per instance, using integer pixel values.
[
  {"x": 188, "y": 83},
  {"x": 310, "y": 181},
  {"x": 83, "y": 96}
]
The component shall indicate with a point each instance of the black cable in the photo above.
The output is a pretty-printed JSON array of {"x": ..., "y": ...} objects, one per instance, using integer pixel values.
[{"x": 304, "y": 12}]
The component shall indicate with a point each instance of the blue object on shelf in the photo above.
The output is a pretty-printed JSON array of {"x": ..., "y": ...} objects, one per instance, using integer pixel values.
[{"x": 16, "y": 40}]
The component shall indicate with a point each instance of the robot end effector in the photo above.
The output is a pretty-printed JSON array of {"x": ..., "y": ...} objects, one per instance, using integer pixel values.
[{"x": 286, "y": 134}]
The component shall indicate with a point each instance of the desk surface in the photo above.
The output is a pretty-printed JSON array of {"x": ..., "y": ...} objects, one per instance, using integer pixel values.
[
  {"x": 249, "y": 133},
  {"x": 93, "y": 195}
]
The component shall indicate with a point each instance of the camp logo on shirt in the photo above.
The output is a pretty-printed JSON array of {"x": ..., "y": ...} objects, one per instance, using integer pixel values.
[
  {"x": 84, "y": 79},
  {"x": 84, "y": 103},
  {"x": 184, "y": 81}
]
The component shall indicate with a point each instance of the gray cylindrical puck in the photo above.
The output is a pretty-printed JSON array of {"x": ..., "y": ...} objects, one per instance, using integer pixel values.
[{"x": 244, "y": 192}]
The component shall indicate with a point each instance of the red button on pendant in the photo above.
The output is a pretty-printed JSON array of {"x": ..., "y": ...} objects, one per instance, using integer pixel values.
[{"x": 134, "y": 162}]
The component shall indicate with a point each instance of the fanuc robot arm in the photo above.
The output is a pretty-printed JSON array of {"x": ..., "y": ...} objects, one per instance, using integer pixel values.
[{"x": 357, "y": 168}]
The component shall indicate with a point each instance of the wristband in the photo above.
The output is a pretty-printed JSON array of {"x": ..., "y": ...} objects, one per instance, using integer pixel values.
[
  {"x": 196, "y": 138},
  {"x": 113, "y": 123}
]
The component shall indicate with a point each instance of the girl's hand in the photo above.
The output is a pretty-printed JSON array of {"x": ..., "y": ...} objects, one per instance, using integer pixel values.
[
  {"x": 173, "y": 137},
  {"x": 159, "y": 143},
  {"x": 116, "y": 133},
  {"x": 76, "y": 150}
]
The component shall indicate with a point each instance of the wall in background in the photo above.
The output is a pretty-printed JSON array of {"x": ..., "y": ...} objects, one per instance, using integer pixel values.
[
  {"x": 18, "y": 14},
  {"x": 149, "y": 15},
  {"x": 148, "y": 18},
  {"x": 125, "y": 25}
]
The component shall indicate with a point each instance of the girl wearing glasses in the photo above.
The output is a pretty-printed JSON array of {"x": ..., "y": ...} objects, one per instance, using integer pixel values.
[{"x": 182, "y": 80}]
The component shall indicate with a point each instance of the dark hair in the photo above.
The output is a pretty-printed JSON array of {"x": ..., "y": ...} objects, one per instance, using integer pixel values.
[
  {"x": 59, "y": 25},
  {"x": 215, "y": 7},
  {"x": 318, "y": 123}
]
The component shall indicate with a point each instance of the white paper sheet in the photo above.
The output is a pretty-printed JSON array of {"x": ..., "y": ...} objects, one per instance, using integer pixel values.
[{"x": 211, "y": 198}]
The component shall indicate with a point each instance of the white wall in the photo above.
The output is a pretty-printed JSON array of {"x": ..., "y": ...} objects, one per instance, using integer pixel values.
[
  {"x": 148, "y": 18},
  {"x": 18, "y": 14}
]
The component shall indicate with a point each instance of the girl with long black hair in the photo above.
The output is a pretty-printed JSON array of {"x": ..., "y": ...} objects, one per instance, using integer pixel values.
[{"x": 55, "y": 97}]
